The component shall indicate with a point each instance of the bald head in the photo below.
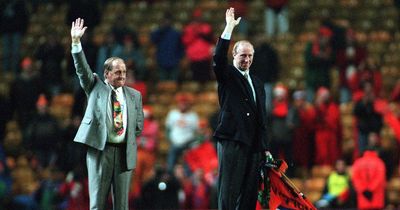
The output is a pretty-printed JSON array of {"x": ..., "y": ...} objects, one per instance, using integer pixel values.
[{"x": 243, "y": 52}]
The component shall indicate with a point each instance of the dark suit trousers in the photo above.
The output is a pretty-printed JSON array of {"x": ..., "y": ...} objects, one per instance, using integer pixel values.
[{"x": 239, "y": 176}]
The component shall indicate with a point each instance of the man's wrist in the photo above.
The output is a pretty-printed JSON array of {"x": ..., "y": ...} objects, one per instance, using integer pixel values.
[
  {"x": 76, "y": 47},
  {"x": 227, "y": 34},
  {"x": 76, "y": 41},
  {"x": 229, "y": 27}
]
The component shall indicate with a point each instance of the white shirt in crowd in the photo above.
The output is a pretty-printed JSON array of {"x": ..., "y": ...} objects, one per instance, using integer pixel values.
[{"x": 182, "y": 126}]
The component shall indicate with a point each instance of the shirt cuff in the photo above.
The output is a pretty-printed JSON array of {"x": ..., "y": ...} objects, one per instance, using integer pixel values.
[
  {"x": 76, "y": 48},
  {"x": 226, "y": 36}
]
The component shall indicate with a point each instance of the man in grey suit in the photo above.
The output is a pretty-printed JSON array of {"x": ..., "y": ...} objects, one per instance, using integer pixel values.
[{"x": 112, "y": 120}]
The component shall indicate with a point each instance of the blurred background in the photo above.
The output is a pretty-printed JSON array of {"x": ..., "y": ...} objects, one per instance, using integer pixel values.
[{"x": 330, "y": 70}]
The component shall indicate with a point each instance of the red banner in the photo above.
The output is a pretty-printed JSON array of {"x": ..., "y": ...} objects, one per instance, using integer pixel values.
[{"x": 284, "y": 194}]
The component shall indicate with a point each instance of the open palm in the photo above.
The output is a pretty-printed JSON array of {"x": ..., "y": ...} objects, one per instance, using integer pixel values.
[
  {"x": 77, "y": 30},
  {"x": 230, "y": 17}
]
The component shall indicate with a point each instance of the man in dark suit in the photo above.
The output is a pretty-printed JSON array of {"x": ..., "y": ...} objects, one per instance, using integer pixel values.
[
  {"x": 241, "y": 133},
  {"x": 112, "y": 121}
]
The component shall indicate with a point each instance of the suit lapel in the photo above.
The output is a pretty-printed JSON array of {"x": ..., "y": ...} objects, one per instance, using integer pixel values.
[
  {"x": 130, "y": 102},
  {"x": 250, "y": 92}
]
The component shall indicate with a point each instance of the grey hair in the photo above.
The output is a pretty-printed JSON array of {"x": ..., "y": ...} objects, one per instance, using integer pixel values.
[
  {"x": 241, "y": 42},
  {"x": 108, "y": 64}
]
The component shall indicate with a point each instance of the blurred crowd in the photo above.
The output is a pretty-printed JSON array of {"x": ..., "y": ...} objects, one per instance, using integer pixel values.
[{"x": 41, "y": 168}]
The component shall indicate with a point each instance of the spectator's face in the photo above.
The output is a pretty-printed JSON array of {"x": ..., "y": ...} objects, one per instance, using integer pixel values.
[
  {"x": 41, "y": 109},
  {"x": 368, "y": 91},
  {"x": 183, "y": 106},
  {"x": 373, "y": 139},
  {"x": 322, "y": 97},
  {"x": 243, "y": 56},
  {"x": 324, "y": 41},
  {"x": 299, "y": 102},
  {"x": 117, "y": 76},
  {"x": 179, "y": 171},
  {"x": 341, "y": 166}
]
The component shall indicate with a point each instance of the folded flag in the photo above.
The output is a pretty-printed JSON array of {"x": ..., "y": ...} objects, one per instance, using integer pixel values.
[{"x": 282, "y": 192}]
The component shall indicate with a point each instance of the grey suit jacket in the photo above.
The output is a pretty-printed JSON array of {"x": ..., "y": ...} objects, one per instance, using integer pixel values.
[{"x": 93, "y": 130}]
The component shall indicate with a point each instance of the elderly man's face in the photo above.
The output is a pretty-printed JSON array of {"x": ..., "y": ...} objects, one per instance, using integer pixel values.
[
  {"x": 243, "y": 56},
  {"x": 117, "y": 76}
]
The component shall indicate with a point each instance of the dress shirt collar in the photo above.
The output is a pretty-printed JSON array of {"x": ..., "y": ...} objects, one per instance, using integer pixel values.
[
  {"x": 244, "y": 72},
  {"x": 117, "y": 90}
]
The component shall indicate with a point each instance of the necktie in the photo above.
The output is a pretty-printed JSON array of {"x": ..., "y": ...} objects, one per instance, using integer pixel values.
[
  {"x": 246, "y": 76},
  {"x": 117, "y": 114}
]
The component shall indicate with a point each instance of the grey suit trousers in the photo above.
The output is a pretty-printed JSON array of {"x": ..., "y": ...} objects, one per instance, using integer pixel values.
[{"x": 107, "y": 172}]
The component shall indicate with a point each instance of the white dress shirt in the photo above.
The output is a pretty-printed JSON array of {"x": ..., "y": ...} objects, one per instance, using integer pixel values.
[
  {"x": 250, "y": 82},
  {"x": 112, "y": 135}
]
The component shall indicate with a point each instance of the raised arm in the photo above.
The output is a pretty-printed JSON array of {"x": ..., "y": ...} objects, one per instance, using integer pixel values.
[
  {"x": 77, "y": 30},
  {"x": 220, "y": 55},
  {"x": 85, "y": 74},
  {"x": 231, "y": 22}
]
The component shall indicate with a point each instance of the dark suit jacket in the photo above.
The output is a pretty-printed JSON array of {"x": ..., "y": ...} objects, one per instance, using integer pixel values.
[
  {"x": 93, "y": 130},
  {"x": 240, "y": 118}
]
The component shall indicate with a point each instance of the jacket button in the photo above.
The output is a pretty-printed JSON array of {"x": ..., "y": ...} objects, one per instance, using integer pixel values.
[{"x": 248, "y": 114}]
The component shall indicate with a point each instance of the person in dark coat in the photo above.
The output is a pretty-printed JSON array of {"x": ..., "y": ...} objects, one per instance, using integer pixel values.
[{"x": 241, "y": 133}]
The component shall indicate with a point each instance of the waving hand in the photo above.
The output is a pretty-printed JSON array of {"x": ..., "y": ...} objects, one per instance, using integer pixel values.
[
  {"x": 230, "y": 17},
  {"x": 77, "y": 30}
]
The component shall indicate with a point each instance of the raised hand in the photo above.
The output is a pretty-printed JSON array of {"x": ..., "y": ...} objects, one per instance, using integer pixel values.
[
  {"x": 77, "y": 30},
  {"x": 230, "y": 17}
]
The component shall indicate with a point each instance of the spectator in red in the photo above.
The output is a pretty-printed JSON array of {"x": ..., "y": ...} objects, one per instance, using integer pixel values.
[
  {"x": 75, "y": 190},
  {"x": 186, "y": 186},
  {"x": 200, "y": 193},
  {"x": 368, "y": 177},
  {"x": 303, "y": 139},
  {"x": 395, "y": 94},
  {"x": 198, "y": 41},
  {"x": 347, "y": 60},
  {"x": 327, "y": 133},
  {"x": 202, "y": 153},
  {"x": 386, "y": 155}
]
